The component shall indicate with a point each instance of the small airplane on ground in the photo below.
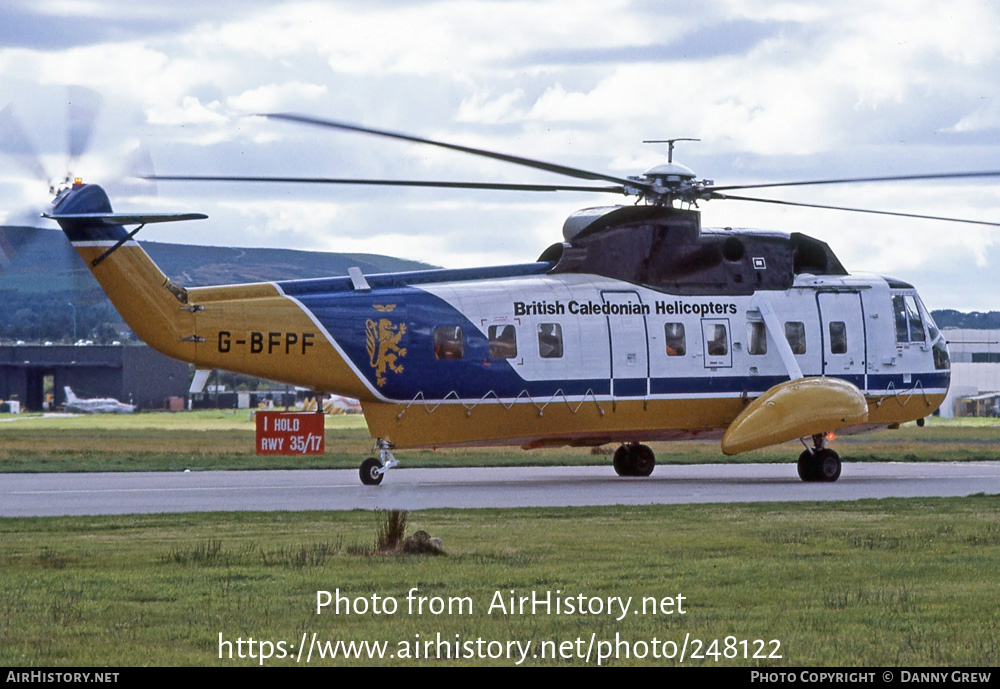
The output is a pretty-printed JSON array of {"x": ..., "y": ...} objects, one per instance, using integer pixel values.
[
  {"x": 338, "y": 404},
  {"x": 95, "y": 405},
  {"x": 640, "y": 326}
]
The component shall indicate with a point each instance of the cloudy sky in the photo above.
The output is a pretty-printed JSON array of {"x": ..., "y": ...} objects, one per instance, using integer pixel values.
[{"x": 776, "y": 91}]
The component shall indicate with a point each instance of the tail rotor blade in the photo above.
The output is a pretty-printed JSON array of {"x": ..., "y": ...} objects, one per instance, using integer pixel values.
[
  {"x": 14, "y": 142},
  {"x": 82, "y": 109},
  {"x": 23, "y": 217}
]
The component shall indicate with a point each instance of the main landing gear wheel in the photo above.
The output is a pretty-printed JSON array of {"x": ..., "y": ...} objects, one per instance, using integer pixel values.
[
  {"x": 819, "y": 465},
  {"x": 808, "y": 469},
  {"x": 622, "y": 461},
  {"x": 829, "y": 465},
  {"x": 634, "y": 460},
  {"x": 370, "y": 474},
  {"x": 373, "y": 469}
]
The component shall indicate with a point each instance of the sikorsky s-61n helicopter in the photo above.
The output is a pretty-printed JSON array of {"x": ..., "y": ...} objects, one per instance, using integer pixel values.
[{"x": 640, "y": 326}]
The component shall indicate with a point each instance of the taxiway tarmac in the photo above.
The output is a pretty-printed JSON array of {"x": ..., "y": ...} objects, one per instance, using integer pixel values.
[{"x": 213, "y": 491}]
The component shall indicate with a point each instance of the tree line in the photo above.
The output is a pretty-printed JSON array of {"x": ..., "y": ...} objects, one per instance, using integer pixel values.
[{"x": 60, "y": 317}]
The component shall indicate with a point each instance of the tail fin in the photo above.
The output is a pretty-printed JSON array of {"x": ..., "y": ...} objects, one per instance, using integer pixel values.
[
  {"x": 148, "y": 301},
  {"x": 70, "y": 397}
]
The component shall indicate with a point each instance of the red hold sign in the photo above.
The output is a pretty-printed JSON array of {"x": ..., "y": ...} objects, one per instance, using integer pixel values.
[{"x": 290, "y": 433}]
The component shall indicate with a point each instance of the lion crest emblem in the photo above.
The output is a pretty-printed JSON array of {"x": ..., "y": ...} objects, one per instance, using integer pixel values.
[{"x": 383, "y": 347}]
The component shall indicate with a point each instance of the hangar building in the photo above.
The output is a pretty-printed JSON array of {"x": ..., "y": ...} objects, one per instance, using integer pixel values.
[
  {"x": 135, "y": 374},
  {"x": 975, "y": 372}
]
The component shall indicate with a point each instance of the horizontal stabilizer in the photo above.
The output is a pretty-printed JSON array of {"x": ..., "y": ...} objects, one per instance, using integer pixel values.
[
  {"x": 795, "y": 409},
  {"x": 124, "y": 218},
  {"x": 200, "y": 379}
]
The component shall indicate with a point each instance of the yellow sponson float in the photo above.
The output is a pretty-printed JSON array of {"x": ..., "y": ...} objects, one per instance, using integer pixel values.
[{"x": 795, "y": 409}]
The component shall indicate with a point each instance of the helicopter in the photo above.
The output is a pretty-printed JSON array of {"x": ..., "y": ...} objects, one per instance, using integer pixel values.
[{"x": 639, "y": 326}]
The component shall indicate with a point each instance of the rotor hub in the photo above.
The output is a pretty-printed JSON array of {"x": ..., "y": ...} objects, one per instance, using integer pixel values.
[{"x": 668, "y": 173}]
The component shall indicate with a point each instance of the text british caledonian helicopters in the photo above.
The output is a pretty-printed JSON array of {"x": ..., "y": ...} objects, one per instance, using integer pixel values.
[{"x": 640, "y": 326}]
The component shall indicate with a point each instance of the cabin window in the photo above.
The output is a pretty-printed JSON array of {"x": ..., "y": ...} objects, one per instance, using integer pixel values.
[
  {"x": 838, "y": 337},
  {"x": 756, "y": 338},
  {"x": 795, "y": 333},
  {"x": 503, "y": 342},
  {"x": 909, "y": 326},
  {"x": 717, "y": 339},
  {"x": 449, "y": 342},
  {"x": 673, "y": 335},
  {"x": 550, "y": 340}
]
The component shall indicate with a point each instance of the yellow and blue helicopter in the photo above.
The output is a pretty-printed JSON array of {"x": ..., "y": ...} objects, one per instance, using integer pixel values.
[{"x": 639, "y": 326}]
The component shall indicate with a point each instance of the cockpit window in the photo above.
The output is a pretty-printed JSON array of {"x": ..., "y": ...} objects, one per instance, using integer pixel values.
[
  {"x": 909, "y": 326},
  {"x": 942, "y": 361},
  {"x": 899, "y": 317},
  {"x": 913, "y": 318}
]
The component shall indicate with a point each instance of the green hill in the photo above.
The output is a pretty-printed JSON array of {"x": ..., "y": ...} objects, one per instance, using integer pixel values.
[
  {"x": 975, "y": 320},
  {"x": 45, "y": 289},
  {"x": 41, "y": 260}
]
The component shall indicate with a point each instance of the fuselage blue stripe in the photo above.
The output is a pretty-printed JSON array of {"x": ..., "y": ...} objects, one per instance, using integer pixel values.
[{"x": 359, "y": 319}]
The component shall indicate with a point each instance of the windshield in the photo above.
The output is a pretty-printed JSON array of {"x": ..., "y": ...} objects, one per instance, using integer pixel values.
[{"x": 941, "y": 359}]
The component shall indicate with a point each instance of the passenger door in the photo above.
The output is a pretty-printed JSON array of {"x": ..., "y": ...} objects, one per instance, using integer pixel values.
[
  {"x": 842, "y": 326},
  {"x": 629, "y": 345}
]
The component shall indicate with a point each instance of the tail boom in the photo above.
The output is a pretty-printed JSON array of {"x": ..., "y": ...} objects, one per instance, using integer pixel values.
[{"x": 248, "y": 328}]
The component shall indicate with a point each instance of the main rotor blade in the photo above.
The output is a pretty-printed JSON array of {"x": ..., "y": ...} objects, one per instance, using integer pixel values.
[
  {"x": 516, "y": 160},
  {"x": 139, "y": 176},
  {"x": 860, "y": 180},
  {"x": 387, "y": 183},
  {"x": 855, "y": 210}
]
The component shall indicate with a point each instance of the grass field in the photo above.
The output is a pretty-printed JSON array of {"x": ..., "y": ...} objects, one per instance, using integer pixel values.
[
  {"x": 224, "y": 440},
  {"x": 870, "y": 583},
  {"x": 866, "y": 583}
]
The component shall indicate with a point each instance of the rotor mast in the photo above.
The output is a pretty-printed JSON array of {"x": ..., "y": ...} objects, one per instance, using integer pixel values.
[{"x": 671, "y": 181}]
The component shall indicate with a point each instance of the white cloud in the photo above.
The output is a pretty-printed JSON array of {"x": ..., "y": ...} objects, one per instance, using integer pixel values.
[
  {"x": 818, "y": 88},
  {"x": 271, "y": 97},
  {"x": 481, "y": 107},
  {"x": 189, "y": 111}
]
